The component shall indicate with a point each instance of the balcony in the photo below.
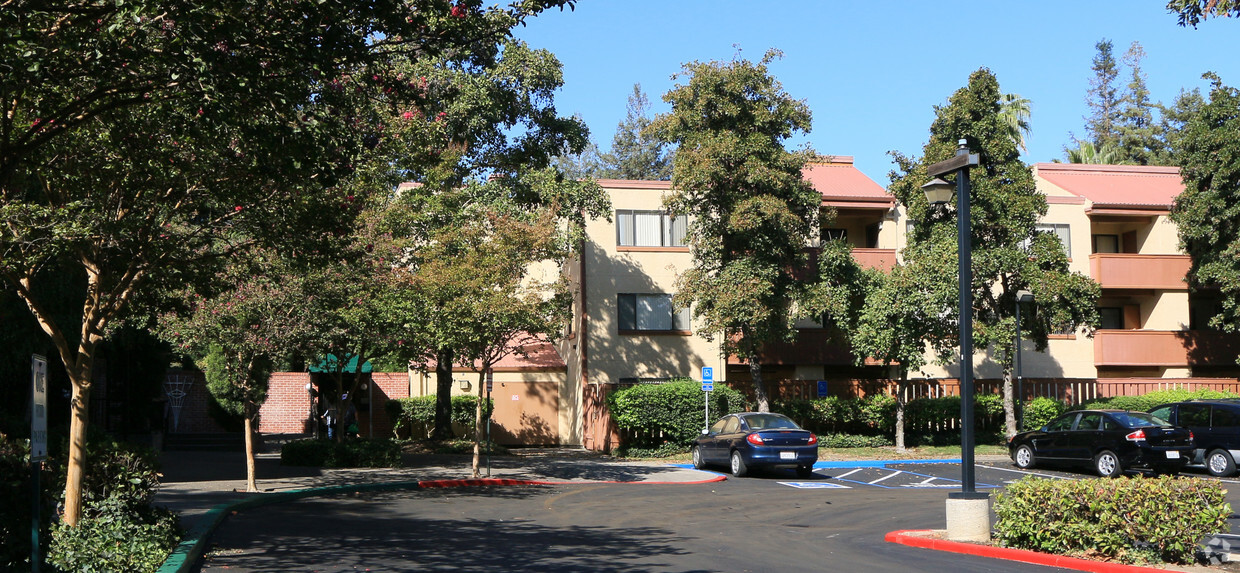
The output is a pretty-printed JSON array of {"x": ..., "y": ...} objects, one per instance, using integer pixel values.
[
  {"x": 1164, "y": 348},
  {"x": 1146, "y": 272},
  {"x": 881, "y": 259}
]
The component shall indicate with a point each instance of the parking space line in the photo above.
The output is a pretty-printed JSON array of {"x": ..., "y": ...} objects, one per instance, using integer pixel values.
[
  {"x": 897, "y": 472},
  {"x": 1026, "y": 472},
  {"x": 849, "y": 473}
]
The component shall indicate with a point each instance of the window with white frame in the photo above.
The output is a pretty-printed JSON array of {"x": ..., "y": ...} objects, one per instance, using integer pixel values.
[
  {"x": 650, "y": 229},
  {"x": 1061, "y": 230},
  {"x": 651, "y": 312}
]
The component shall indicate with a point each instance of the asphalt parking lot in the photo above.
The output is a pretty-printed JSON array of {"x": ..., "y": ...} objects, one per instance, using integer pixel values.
[{"x": 834, "y": 521}]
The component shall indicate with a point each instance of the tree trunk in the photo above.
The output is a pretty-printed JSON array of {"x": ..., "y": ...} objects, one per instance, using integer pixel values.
[
  {"x": 759, "y": 390},
  {"x": 443, "y": 395},
  {"x": 251, "y": 484},
  {"x": 482, "y": 383},
  {"x": 1009, "y": 409},
  {"x": 900, "y": 389},
  {"x": 80, "y": 417}
]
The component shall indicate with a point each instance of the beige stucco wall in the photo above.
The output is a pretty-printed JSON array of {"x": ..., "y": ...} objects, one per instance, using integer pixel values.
[{"x": 610, "y": 355}]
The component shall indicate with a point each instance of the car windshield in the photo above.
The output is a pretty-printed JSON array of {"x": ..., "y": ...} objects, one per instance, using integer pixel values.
[
  {"x": 1138, "y": 419},
  {"x": 770, "y": 422}
]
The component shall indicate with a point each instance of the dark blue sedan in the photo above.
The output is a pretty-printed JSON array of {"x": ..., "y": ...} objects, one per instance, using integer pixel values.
[{"x": 756, "y": 440}]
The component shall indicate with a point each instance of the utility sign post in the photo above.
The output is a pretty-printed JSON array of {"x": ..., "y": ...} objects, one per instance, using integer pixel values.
[
  {"x": 708, "y": 386},
  {"x": 38, "y": 446}
]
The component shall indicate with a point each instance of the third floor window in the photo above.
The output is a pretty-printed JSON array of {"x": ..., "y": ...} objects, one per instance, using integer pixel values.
[{"x": 650, "y": 229}]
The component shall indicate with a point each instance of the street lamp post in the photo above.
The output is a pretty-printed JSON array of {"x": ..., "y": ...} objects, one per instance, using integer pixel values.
[
  {"x": 968, "y": 512},
  {"x": 1022, "y": 296}
]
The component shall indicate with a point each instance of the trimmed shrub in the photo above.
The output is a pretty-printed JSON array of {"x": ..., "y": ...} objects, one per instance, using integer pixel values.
[
  {"x": 1129, "y": 520},
  {"x": 852, "y": 441},
  {"x": 15, "y": 504},
  {"x": 119, "y": 529},
  {"x": 669, "y": 412},
  {"x": 1147, "y": 402},
  {"x": 415, "y": 417},
  {"x": 1041, "y": 410},
  {"x": 663, "y": 451},
  {"x": 943, "y": 414},
  {"x": 363, "y": 453}
]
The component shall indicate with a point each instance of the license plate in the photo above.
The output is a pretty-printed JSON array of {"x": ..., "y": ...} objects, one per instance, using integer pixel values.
[
  {"x": 1173, "y": 455},
  {"x": 793, "y": 455}
]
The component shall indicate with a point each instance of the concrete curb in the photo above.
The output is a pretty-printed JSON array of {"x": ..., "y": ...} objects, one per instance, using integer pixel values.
[
  {"x": 922, "y": 540},
  {"x": 191, "y": 549}
]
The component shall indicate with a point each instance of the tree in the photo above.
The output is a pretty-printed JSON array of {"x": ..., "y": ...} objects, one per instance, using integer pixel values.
[
  {"x": 1015, "y": 111},
  {"x": 1008, "y": 255},
  {"x": 1085, "y": 152},
  {"x": 1207, "y": 213},
  {"x": 142, "y": 139},
  {"x": 635, "y": 153},
  {"x": 1174, "y": 119},
  {"x": 1140, "y": 139},
  {"x": 1103, "y": 98},
  {"x": 257, "y": 318},
  {"x": 751, "y": 213},
  {"x": 1192, "y": 12}
]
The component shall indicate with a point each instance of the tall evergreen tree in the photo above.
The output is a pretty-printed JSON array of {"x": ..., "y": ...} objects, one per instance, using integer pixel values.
[
  {"x": 1103, "y": 97},
  {"x": 1140, "y": 137},
  {"x": 635, "y": 152},
  {"x": 1008, "y": 255},
  {"x": 1207, "y": 213},
  {"x": 750, "y": 211}
]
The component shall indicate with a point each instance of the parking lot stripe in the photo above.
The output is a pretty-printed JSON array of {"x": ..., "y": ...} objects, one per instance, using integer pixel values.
[
  {"x": 1026, "y": 472},
  {"x": 897, "y": 472},
  {"x": 849, "y": 473}
]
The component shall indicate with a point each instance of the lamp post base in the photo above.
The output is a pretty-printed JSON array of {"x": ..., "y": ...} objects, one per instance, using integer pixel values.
[{"x": 968, "y": 518}]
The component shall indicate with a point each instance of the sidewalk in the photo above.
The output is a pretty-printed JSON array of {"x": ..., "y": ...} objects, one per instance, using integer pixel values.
[{"x": 194, "y": 482}]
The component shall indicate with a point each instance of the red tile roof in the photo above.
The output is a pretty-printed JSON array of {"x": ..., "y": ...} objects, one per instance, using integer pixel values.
[
  {"x": 843, "y": 185},
  {"x": 1111, "y": 186}
]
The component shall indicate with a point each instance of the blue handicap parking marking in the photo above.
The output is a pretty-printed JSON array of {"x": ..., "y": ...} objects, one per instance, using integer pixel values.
[{"x": 814, "y": 485}]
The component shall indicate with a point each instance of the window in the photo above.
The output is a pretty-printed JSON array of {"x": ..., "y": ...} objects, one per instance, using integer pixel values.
[
  {"x": 652, "y": 312},
  {"x": 1062, "y": 424},
  {"x": 1089, "y": 422},
  {"x": 1061, "y": 230},
  {"x": 1112, "y": 318},
  {"x": 1224, "y": 417},
  {"x": 1194, "y": 415},
  {"x": 1106, "y": 243},
  {"x": 650, "y": 229}
]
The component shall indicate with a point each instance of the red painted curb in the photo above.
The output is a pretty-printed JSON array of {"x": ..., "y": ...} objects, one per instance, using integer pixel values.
[
  {"x": 909, "y": 537},
  {"x": 498, "y": 481}
]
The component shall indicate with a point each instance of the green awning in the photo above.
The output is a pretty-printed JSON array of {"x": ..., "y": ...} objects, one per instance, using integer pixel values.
[{"x": 331, "y": 364}]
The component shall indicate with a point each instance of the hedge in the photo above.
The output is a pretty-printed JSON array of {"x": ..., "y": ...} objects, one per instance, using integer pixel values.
[
  {"x": 413, "y": 416},
  {"x": 363, "y": 453},
  {"x": 670, "y": 412},
  {"x": 876, "y": 414},
  {"x": 1147, "y": 402},
  {"x": 1129, "y": 520}
]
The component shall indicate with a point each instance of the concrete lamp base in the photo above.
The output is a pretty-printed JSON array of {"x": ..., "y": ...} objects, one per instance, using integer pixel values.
[{"x": 968, "y": 518}]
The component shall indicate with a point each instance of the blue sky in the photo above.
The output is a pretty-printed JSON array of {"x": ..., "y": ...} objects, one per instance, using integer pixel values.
[{"x": 871, "y": 72}]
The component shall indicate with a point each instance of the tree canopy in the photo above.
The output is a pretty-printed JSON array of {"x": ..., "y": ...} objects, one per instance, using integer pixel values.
[
  {"x": 1192, "y": 12},
  {"x": 751, "y": 213},
  {"x": 1207, "y": 213}
]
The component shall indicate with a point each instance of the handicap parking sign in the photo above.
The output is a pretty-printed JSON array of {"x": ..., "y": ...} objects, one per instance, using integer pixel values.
[{"x": 813, "y": 485}]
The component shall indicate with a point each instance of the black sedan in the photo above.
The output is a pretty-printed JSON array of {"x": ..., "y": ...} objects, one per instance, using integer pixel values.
[
  {"x": 1112, "y": 441},
  {"x": 756, "y": 439}
]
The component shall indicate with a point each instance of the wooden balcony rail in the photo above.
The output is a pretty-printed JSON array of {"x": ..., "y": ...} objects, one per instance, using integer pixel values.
[
  {"x": 1128, "y": 271},
  {"x": 1164, "y": 347}
]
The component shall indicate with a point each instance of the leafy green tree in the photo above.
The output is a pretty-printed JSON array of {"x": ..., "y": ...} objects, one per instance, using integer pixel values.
[
  {"x": 1174, "y": 119},
  {"x": 1103, "y": 97},
  {"x": 252, "y": 318},
  {"x": 635, "y": 152},
  {"x": 1207, "y": 213},
  {"x": 142, "y": 139},
  {"x": 1192, "y": 12},
  {"x": 1015, "y": 111},
  {"x": 1008, "y": 255},
  {"x": 751, "y": 213},
  {"x": 1140, "y": 137},
  {"x": 1085, "y": 152}
]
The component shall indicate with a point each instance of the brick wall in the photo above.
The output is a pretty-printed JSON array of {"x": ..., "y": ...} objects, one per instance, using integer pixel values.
[
  {"x": 287, "y": 409},
  {"x": 193, "y": 418}
]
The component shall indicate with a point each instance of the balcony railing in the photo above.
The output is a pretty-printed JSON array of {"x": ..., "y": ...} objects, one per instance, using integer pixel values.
[
  {"x": 882, "y": 259},
  {"x": 1128, "y": 271},
  {"x": 1164, "y": 348}
]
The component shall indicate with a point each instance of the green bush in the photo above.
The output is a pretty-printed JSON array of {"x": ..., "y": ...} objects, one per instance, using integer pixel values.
[
  {"x": 363, "y": 453},
  {"x": 852, "y": 441},
  {"x": 662, "y": 451},
  {"x": 943, "y": 414},
  {"x": 1041, "y": 410},
  {"x": 15, "y": 504},
  {"x": 1129, "y": 520},
  {"x": 669, "y": 412},
  {"x": 416, "y": 415},
  {"x": 1147, "y": 402},
  {"x": 119, "y": 529}
]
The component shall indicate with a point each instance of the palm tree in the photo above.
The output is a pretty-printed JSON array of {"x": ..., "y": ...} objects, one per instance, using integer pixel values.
[
  {"x": 1108, "y": 154},
  {"x": 1015, "y": 113}
]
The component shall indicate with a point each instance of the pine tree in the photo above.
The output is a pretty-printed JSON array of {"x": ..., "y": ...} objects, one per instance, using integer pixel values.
[
  {"x": 1140, "y": 138},
  {"x": 1102, "y": 98},
  {"x": 635, "y": 154}
]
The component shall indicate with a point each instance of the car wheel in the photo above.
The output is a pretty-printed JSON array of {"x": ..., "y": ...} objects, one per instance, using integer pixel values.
[
  {"x": 1220, "y": 463},
  {"x": 805, "y": 471},
  {"x": 739, "y": 469},
  {"x": 1107, "y": 464},
  {"x": 1024, "y": 457},
  {"x": 697, "y": 458}
]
